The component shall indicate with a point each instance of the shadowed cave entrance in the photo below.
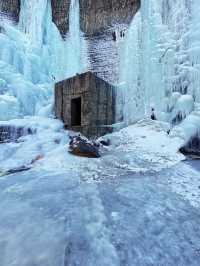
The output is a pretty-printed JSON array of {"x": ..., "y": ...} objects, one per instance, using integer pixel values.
[{"x": 76, "y": 111}]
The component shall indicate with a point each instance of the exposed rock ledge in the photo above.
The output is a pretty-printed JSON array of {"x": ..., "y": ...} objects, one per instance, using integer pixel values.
[{"x": 95, "y": 15}]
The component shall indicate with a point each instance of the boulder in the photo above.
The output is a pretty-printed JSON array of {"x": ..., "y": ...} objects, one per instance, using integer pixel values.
[
  {"x": 105, "y": 142},
  {"x": 80, "y": 146},
  {"x": 192, "y": 148}
]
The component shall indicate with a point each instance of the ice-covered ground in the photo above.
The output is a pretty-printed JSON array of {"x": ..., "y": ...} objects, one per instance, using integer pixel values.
[
  {"x": 142, "y": 147},
  {"x": 136, "y": 205},
  {"x": 60, "y": 219}
]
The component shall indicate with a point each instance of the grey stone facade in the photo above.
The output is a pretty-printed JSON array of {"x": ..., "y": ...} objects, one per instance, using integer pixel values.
[{"x": 86, "y": 103}]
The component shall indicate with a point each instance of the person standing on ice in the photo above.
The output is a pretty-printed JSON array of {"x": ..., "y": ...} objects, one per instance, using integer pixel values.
[{"x": 153, "y": 116}]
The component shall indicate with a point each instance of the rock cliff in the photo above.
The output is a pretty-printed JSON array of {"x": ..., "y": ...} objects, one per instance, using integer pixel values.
[
  {"x": 10, "y": 8},
  {"x": 60, "y": 13},
  {"x": 98, "y": 15},
  {"x": 99, "y": 20},
  {"x": 95, "y": 15}
]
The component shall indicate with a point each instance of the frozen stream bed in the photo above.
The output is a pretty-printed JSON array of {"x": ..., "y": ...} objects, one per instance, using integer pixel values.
[
  {"x": 139, "y": 204},
  {"x": 49, "y": 219}
]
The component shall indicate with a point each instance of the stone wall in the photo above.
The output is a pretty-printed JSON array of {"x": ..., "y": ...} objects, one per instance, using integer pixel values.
[
  {"x": 98, "y": 103},
  {"x": 10, "y": 8}
]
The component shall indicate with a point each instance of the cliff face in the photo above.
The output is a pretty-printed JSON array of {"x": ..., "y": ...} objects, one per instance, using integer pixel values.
[
  {"x": 10, "y": 8},
  {"x": 60, "y": 13},
  {"x": 98, "y": 15},
  {"x": 95, "y": 15}
]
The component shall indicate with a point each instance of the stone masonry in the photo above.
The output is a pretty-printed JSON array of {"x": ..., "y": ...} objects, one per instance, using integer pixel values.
[{"x": 86, "y": 103}]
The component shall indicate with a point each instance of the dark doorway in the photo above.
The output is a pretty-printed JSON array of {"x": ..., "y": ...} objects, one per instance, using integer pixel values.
[{"x": 76, "y": 112}]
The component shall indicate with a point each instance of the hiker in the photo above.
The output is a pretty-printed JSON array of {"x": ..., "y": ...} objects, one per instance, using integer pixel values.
[{"x": 153, "y": 116}]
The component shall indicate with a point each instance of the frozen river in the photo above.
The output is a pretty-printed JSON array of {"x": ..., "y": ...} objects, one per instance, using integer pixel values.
[{"x": 54, "y": 220}]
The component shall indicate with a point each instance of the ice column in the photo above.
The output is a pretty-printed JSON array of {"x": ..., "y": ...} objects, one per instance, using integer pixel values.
[
  {"x": 160, "y": 57},
  {"x": 75, "y": 43}
]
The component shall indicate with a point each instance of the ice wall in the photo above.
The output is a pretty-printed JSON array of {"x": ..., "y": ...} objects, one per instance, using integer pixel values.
[
  {"x": 194, "y": 50},
  {"x": 75, "y": 43},
  {"x": 160, "y": 57},
  {"x": 33, "y": 55}
]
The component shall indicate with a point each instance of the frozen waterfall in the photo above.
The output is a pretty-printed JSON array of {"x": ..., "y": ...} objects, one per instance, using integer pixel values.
[
  {"x": 160, "y": 59},
  {"x": 33, "y": 55},
  {"x": 76, "y": 45}
]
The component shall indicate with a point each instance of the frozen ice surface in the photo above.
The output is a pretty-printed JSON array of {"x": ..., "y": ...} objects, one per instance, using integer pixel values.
[
  {"x": 59, "y": 219},
  {"x": 136, "y": 205}
]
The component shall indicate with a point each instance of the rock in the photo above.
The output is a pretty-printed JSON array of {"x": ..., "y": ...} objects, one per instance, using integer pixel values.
[
  {"x": 95, "y": 16},
  {"x": 191, "y": 153},
  {"x": 192, "y": 148},
  {"x": 11, "y": 133},
  {"x": 82, "y": 147},
  {"x": 105, "y": 142},
  {"x": 10, "y": 8},
  {"x": 60, "y": 14}
]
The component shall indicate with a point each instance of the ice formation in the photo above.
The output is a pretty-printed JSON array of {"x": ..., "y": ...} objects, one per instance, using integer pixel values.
[
  {"x": 33, "y": 55},
  {"x": 160, "y": 61}
]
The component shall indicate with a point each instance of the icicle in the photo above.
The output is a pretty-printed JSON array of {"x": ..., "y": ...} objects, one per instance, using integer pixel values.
[{"x": 75, "y": 43}]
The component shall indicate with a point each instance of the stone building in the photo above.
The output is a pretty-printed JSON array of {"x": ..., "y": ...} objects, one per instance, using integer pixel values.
[{"x": 86, "y": 103}]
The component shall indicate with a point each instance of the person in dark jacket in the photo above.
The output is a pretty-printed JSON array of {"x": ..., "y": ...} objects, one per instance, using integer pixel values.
[{"x": 153, "y": 116}]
